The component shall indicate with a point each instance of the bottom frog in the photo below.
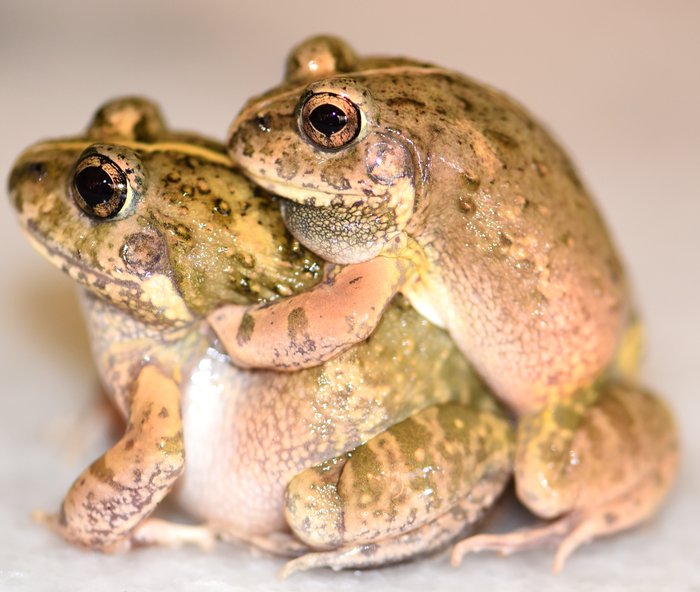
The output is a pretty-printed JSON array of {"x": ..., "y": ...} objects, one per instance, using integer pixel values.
[{"x": 383, "y": 453}]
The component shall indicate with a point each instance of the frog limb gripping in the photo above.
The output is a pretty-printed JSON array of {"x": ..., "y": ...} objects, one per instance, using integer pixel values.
[{"x": 315, "y": 326}]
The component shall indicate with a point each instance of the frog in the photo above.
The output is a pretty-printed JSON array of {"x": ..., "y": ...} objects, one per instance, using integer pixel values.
[
  {"x": 412, "y": 178},
  {"x": 386, "y": 452}
]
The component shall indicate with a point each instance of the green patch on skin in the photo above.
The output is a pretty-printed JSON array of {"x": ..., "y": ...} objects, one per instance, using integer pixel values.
[
  {"x": 245, "y": 331},
  {"x": 173, "y": 445},
  {"x": 566, "y": 418},
  {"x": 100, "y": 470},
  {"x": 457, "y": 422},
  {"x": 411, "y": 437},
  {"x": 297, "y": 324},
  {"x": 367, "y": 469}
]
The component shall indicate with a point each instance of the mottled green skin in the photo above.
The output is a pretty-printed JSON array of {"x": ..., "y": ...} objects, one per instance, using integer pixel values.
[{"x": 394, "y": 483}]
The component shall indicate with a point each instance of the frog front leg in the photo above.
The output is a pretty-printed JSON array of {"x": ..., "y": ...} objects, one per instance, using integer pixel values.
[
  {"x": 405, "y": 492},
  {"x": 308, "y": 329},
  {"x": 106, "y": 507},
  {"x": 598, "y": 463}
]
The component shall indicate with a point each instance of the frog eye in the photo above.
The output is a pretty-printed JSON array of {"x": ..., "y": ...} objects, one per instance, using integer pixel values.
[
  {"x": 103, "y": 179},
  {"x": 330, "y": 121}
]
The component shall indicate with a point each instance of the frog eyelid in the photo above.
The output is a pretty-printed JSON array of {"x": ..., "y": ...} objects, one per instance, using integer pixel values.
[{"x": 106, "y": 182}]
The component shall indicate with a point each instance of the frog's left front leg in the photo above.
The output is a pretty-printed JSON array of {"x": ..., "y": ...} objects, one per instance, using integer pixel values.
[
  {"x": 308, "y": 329},
  {"x": 405, "y": 492},
  {"x": 598, "y": 463},
  {"x": 105, "y": 509}
]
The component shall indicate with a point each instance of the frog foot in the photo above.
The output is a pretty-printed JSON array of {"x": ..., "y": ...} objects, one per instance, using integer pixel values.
[
  {"x": 598, "y": 494},
  {"x": 276, "y": 543},
  {"x": 421, "y": 541},
  {"x": 573, "y": 529},
  {"x": 161, "y": 533},
  {"x": 150, "y": 532},
  {"x": 526, "y": 538}
]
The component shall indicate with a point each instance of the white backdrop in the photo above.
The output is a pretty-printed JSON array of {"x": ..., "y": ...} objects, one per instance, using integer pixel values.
[{"x": 617, "y": 81}]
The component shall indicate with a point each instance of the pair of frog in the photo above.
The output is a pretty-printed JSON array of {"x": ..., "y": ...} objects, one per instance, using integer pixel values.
[{"x": 382, "y": 437}]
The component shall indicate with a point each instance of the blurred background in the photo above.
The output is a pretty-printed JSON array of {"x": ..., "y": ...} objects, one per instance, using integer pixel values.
[{"x": 617, "y": 82}]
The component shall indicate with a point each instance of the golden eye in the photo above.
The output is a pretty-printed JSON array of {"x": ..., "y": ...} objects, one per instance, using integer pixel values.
[
  {"x": 108, "y": 179},
  {"x": 100, "y": 187},
  {"x": 330, "y": 121}
]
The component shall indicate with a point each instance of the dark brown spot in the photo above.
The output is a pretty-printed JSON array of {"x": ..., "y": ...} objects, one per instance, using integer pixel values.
[
  {"x": 403, "y": 102},
  {"x": 503, "y": 139},
  {"x": 245, "y": 331},
  {"x": 297, "y": 328},
  {"x": 466, "y": 204},
  {"x": 221, "y": 207}
]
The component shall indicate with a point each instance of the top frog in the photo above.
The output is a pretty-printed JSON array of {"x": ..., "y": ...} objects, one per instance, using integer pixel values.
[
  {"x": 410, "y": 177},
  {"x": 400, "y": 167}
]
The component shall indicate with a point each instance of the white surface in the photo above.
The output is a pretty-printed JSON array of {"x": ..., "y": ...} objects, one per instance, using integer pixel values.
[{"x": 619, "y": 82}]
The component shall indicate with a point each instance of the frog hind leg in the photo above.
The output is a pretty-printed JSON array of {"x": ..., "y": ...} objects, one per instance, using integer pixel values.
[
  {"x": 402, "y": 493},
  {"x": 107, "y": 507},
  {"x": 421, "y": 541},
  {"x": 620, "y": 458}
]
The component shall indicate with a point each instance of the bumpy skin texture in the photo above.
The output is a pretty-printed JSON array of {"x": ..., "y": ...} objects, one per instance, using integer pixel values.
[
  {"x": 185, "y": 234},
  {"x": 388, "y": 161}
]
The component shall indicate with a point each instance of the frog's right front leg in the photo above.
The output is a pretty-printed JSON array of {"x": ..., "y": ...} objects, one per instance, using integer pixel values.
[
  {"x": 105, "y": 508},
  {"x": 310, "y": 328}
]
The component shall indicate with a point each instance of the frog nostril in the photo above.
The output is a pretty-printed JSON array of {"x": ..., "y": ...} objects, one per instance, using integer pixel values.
[
  {"x": 38, "y": 170},
  {"x": 263, "y": 122}
]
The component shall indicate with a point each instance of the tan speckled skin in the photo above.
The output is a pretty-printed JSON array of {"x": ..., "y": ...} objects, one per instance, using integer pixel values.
[
  {"x": 512, "y": 256},
  {"x": 194, "y": 234}
]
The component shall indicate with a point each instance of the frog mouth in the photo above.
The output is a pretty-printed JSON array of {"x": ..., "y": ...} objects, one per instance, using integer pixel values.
[
  {"x": 304, "y": 195},
  {"x": 74, "y": 267}
]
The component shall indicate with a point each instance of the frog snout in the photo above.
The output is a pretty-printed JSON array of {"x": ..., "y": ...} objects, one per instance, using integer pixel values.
[{"x": 28, "y": 172}]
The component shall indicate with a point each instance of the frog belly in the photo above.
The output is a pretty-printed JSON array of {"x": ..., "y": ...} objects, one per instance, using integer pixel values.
[{"x": 225, "y": 482}]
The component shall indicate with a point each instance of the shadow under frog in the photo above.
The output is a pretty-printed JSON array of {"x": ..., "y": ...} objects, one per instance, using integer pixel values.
[{"x": 382, "y": 453}]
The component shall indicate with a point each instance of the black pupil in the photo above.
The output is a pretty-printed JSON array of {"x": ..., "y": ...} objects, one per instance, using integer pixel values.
[
  {"x": 96, "y": 186},
  {"x": 328, "y": 119}
]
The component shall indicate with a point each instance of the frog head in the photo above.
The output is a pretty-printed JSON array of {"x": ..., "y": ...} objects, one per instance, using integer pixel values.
[
  {"x": 155, "y": 222},
  {"x": 351, "y": 143}
]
